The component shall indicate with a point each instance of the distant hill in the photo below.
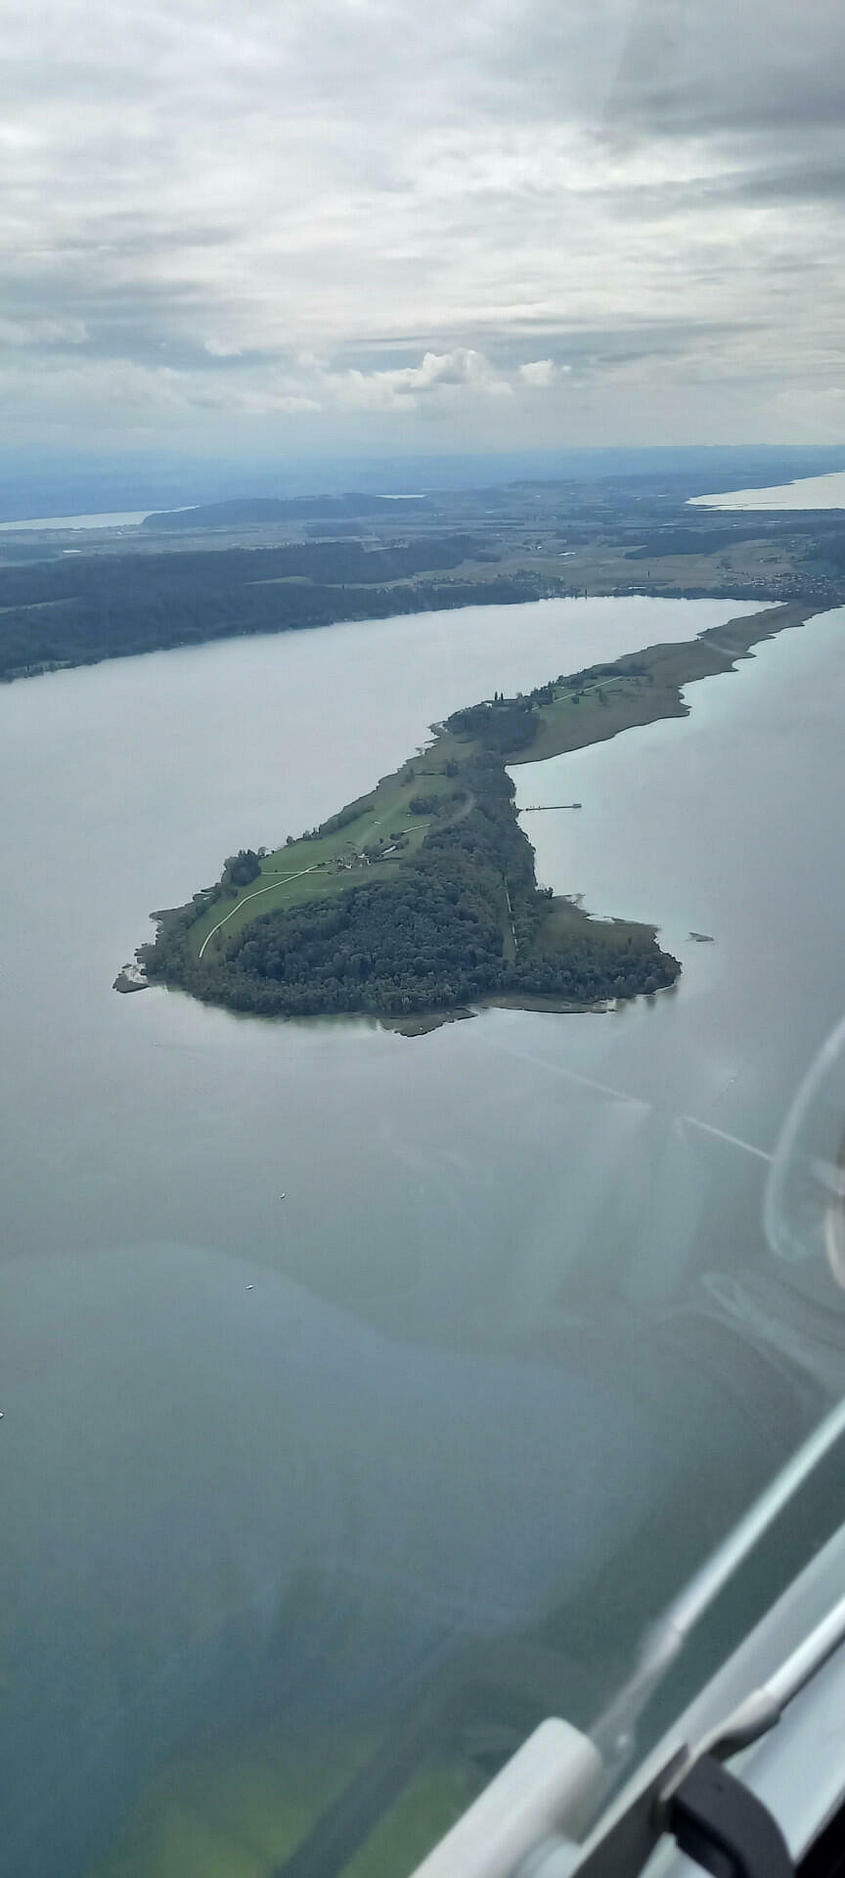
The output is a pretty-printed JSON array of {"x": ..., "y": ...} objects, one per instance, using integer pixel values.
[{"x": 243, "y": 510}]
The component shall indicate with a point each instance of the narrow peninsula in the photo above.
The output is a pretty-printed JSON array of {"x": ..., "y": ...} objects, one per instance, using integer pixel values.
[{"x": 420, "y": 900}]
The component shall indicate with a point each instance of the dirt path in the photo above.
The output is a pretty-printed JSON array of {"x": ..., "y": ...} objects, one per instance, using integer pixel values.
[{"x": 252, "y": 896}]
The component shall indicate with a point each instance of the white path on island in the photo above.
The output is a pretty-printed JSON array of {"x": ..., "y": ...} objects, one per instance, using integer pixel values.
[
  {"x": 252, "y": 896},
  {"x": 464, "y": 810}
]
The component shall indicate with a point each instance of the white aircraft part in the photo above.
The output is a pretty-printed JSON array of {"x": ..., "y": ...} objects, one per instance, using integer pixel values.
[{"x": 542, "y": 1791}]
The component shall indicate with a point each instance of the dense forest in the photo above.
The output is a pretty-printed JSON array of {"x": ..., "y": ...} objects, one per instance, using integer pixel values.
[
  {"x": 79, "y": 609},
  {"x": 462, "y": 921}
]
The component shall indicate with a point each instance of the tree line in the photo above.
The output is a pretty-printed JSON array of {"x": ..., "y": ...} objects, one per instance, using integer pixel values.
[
  {"x": 439, "y": 934},
  {"x": 78, "y": 611}
]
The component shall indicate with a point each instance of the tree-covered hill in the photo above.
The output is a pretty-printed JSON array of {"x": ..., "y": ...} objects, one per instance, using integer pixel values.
[{"x": 80, "y": 609}]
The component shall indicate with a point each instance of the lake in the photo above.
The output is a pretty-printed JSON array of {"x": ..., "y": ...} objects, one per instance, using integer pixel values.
[
  {"x": 338, "y": 1367},
  {"x": 124, "y": 518},
  {"x": 807, "y": 492},
  {"x": 65, "y": 524}
]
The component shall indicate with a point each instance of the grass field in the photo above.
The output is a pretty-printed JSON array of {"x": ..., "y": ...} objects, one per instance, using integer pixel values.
[
  {"x": 313, "y": 867},
  {"x": 645, "y": 686}
]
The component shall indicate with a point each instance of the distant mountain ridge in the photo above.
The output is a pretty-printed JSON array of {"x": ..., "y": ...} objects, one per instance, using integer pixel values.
[{"x": 245, "y": 509}]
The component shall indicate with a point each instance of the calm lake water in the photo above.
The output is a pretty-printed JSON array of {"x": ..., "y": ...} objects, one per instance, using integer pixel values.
[
  {"x": 117, "y": 518},
  {"x": 123, "y": 519},
  {"x": 807, "y": 492},
  {"x": 473, "y": 1381}
]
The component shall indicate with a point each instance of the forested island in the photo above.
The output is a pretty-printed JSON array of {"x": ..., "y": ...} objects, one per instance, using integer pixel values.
[{"x": 420, "y": 899}]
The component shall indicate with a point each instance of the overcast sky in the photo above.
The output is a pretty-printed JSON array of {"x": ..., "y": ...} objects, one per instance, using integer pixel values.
[{"x": 422, "y": 224}]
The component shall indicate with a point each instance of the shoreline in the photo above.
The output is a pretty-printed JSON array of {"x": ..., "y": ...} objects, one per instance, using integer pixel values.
[
  {"x": 425, "y": 1021},
  {"x": 653, "y": 681},
  {"x": 555, "y": 947}
]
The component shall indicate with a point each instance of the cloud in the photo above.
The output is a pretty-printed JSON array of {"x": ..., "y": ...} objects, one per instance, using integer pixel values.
[
  {"x": 541, "y": 373},
  {"x": 44, "y": 331},
  {"x": 361, "y": 215},
  {"x": 223, "y": 349},
  {"x": 764, "y": 72},
  {"x": 402, "y": 387}
]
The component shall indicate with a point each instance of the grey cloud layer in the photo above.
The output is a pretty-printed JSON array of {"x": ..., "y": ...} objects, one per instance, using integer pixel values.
[{"x": 566, "y": 220}]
